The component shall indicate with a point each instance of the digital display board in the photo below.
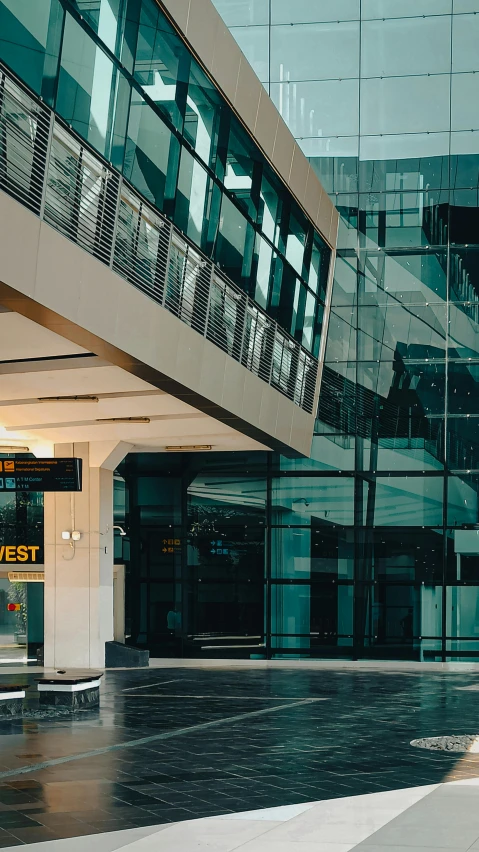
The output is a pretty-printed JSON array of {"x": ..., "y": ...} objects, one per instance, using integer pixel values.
[{"x": 40, "y": 474}]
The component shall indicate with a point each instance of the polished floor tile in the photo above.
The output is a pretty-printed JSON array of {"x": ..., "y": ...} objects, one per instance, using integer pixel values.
[{"x": 170, "y": 745}]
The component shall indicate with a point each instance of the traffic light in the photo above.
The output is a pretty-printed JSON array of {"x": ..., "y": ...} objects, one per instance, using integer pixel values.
[{"x": 14, "y": 607}]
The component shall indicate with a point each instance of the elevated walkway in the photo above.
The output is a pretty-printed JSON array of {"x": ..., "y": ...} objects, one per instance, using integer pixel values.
[{"x": 82, "y": 254}]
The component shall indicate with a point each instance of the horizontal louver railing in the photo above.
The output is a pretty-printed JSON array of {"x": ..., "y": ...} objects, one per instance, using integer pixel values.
[{"x": 47, "y": 168}]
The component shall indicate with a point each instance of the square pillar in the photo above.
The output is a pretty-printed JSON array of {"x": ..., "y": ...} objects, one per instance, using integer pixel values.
[{"x": 79, "y": 575}]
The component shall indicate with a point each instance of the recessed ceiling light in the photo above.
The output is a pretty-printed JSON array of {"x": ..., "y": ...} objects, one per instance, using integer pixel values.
[
  {"x": 123, "y": 420},
  {"x": 85, "y": 398},
  {"x": 182, "y": 449}
]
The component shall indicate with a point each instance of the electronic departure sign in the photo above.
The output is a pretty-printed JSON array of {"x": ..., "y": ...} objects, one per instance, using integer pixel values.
[{"x": 26, "y": 474}]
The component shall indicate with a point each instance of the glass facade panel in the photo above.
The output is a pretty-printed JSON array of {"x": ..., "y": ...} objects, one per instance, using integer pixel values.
[
  {"x": 105, "y": 17},
  {"x": 397, "y": 219},
  {"x": 407, "y": 8},
  {"x": 403, "y": 501},
  {"x": 327, "y": 51},
  {"x": 86, "y": 84},
  {"x": 232, "y": 253},
  {"x": 243, "y": 12},
  {"x": 299, "y": 501},
  {"x": 30, "y": 37},
  {"x": 151, "y": 154},
  {"x": 399, "y": 620},
  {"x": 333, "y": 107},
  {"x": 401, "y": 46},
  {"x": 464, "y": 40},
  {"x": 462, "y": 499},
  {"x": 462, "y": 618},
  {"x": 161, "y": 63},
  {"x": 305, "y": 11},
  {"x": 417, "y": 104},
  {"x": 191, "y": 198},
  {"x": 202, "y": 117},
  {"x": 464, "y": 107}
]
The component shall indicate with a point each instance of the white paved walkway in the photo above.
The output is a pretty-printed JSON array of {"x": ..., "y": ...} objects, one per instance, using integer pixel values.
[{"x": 417, "y": 819}]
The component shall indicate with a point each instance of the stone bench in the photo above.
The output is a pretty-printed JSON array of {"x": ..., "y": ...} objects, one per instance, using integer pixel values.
[
  {"x": 11, "y": 699},
  {"x": 70, "y": 689}
]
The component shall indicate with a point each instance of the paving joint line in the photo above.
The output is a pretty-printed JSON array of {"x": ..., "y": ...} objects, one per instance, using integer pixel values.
[{"x": 167, "y": 735}]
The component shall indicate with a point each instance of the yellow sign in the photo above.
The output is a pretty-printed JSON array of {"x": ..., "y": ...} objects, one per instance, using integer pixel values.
[
  {"x": 170, "y": 545},
  {"x": 20, "y": 553}
]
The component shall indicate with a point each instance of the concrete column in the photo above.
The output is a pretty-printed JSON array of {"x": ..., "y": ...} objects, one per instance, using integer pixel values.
[{"x": 79, "y": 575}]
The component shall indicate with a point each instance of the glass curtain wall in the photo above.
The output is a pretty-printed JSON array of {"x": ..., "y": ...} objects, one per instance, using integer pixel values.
[
  {"x": 382, "y": 97},
  {"x": 120, "y": 76}
]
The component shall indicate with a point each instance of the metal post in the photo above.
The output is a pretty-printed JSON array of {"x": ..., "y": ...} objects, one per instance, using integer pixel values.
[
  {"x": 47, "y": 165},
  {"x": 115, "y": 222}
]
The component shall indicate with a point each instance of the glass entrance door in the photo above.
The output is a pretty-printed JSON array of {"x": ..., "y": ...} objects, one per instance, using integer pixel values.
[
  {"x": 13, "y": 621},
  {"x": 21, "y": 619}
]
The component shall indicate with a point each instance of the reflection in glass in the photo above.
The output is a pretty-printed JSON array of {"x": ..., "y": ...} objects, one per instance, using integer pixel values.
[
  {"x": 318, "y": 108},
  {"x": 243, "y": 12},
  {"x": 241, "y": 168},
  {"x": 403, "y": 219},
  {"x": 87, "y": 80},
  {"x": 151, "y": 153},
  {"x": 399, "y": 619},
  {"x": 464, "y": 216},
  {"x": 462, "y": 620},
  {"x": 315, "y": 52},
  {"x": 291, "y": 553},
  {"x": 311, "y": 617},
  {"x": 462, "y": 500},
  {"x": 203, "y": 115},
  {"x": 162, "y": 63},
  {"x": 30, "y": 35},
  {"x": 233, "y": 254},
  {"x": 464, "y": 275},
  {"x": 400, "y": 555},
  {"x": 463, "y": 387},
  {"x": 412, "y": 277},
  {"x": 298, "y": 501},
  {"x": 191, "y": 197},
  {"x": 406, "y": 46},
  {"x": 462, "y": 442},
  {"x": 105, "y": 17},
  {"x": 403, "y": 501},
  {"x": 416, "y": 104}
]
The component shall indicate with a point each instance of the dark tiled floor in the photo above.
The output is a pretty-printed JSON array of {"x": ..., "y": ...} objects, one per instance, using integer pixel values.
[{"x": 355, "y": 740}]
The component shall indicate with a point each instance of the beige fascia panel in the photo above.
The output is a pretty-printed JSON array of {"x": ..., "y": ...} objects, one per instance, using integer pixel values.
[
  {"x": 299, "y": 175},
  {"x": 248, "y": 93},
  {"x": 179, "y": 10},
  {"x": 73, "y": 294},
  {"x": 283, "y": 151},
  {"x": 201, "y": 26},
  {"x": 226, "y": 61},
  {"x": 266, "y": 125}
]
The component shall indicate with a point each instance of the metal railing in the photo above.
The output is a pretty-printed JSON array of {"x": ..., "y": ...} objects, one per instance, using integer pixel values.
[{"x": 48, "y": 168}]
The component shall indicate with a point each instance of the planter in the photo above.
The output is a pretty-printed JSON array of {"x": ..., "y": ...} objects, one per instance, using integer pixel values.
[{"x": 20, "y": 638}]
